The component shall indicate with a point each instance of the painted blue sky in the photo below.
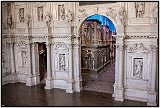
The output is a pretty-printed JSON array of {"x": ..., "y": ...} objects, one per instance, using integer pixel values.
[{"x": 104, "y": 21}]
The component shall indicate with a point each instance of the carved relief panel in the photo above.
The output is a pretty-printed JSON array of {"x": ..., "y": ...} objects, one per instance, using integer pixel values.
[
  {"x": 137, "y": 64},
  {"x": 60, "y": 57},
  {"x": 137, "y": 68}
]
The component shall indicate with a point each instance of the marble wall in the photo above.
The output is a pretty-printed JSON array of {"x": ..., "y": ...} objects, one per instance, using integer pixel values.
[{"x": 58, "y": 23}]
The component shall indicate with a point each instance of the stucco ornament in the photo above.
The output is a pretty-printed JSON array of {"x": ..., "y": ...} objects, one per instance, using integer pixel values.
[
  {"x": 82, "y": 13},
  {"x": 111, "y": 12},
  {"x": 48, "y": 18},
  {"x": 120, "y": 17}
]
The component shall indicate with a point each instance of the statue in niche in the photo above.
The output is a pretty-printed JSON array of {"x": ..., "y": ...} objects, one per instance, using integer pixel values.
[
  {"x": 40, "y": 13},
  {"x": 9, "y": 21},
  {"x": 61, "y": 12},
  {"x": 24, "y": 58},
  {"x": 70, "y": 16},
  {"x": 21, "y": 14},
  {"x": 48, "y": 18},
  {"x": 155, "y": 13},
  {"x": 28, "y": 20},
  {"x": 62, "y": 62},
  {"x": 138, "y": 68},
  {"x": 140, "y": 8}
]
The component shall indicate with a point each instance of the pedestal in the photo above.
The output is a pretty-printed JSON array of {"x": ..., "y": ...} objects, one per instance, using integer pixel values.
[
  {"x": 152, "y": 99},
  {"x": 119, "y": 94},
  {"x": 70, "y": 87},
  {"x": 49, "y": 84}
]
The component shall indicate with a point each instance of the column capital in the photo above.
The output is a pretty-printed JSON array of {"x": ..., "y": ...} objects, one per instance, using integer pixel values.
[{"x": 120, "y": 47}]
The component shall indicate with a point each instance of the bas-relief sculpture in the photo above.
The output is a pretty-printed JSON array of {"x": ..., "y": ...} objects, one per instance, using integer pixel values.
[
  {"x": 117, "y": 14},
  {"x": 138, "y": 68}
]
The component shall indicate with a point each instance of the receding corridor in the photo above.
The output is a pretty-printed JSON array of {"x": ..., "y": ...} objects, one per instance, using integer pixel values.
[
  {"x": 104, "y": 82},
  {"x": 21, "y": 95}
]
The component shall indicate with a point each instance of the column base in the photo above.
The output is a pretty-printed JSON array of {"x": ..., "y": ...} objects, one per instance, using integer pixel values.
[
  {"x": 70, "y": 87},
  {"x": 29, "y": 81},
  {"x": 49, "y": 84},
  {"x": 36, "y": 80},
  {"x": 151, "y": 101},
  {"x": 79, "y": 86},
  {"x": 119, "y": 94},
  {"x": 14, "y": 78}
]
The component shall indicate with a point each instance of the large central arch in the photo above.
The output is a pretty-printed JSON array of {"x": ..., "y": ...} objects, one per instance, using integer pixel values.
[{"x": 119, "y": 62}]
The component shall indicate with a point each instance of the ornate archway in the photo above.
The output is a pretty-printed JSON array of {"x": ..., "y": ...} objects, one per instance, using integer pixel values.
[{"x": 118, "y": 18}]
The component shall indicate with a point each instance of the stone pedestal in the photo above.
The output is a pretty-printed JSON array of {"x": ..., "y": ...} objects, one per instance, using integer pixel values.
[
  {"x": 49, "y": 83},
  {"x": 152, "y": 99}
]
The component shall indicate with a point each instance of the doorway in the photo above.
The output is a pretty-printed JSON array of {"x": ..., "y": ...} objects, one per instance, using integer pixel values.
[
  {"x": 98, "y": 54},
  {"x": 42, "y": 51}
]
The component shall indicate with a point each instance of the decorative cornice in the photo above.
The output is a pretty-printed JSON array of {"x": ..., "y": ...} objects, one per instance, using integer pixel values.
[{"x": 142, "y": 36}]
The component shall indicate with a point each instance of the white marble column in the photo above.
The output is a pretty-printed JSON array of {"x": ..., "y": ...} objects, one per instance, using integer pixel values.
[
  {"x": 36, "y": 79},
  {"x": 77, "y": 66},
  {"x": 152, "y": 91},
  {"x": 49, "y": 80},
  {"x": 70, "y": 82},
  {"x": 119, "y": 89},
  {"x": 29, "y": 75},
  {"x": 13, "y": 62}
]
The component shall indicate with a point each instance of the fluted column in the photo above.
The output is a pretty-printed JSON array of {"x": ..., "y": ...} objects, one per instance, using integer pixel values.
[
  {"x": 29, "y": 75},
  {"x": 49, "y": 80},
  {"x": 152, "y": 91},
  {"x": 48, "y": 61},
  {"x": 35, "y": 75},
  {"x": 13, "y": 62},
  {"x": 119, "y": 78},
  {"x": 70, "y": 76}
]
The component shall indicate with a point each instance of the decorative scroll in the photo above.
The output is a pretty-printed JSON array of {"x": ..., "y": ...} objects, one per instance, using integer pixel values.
[
  {"x": 140, "y": 9},
  {"x": 40, "y": 13},
  {"x": 61, "y": 12},
  {"x": 21, "y": 14},
  {"x": 138, "y": 68},
  {"x": 62, "y": 62}
]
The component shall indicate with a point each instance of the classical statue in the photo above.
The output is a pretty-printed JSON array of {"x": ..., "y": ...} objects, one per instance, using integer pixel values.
[
  {"x": 21, "y": 14},
  {"x": 140, "y": 8},
  {"x": 9, "y": 21},
  {"x": 70, "y": 16},
  {"x": 61, "y": 12},
  {"x": 28, "y": 19},
  {"x": 48, "y": 18}
]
